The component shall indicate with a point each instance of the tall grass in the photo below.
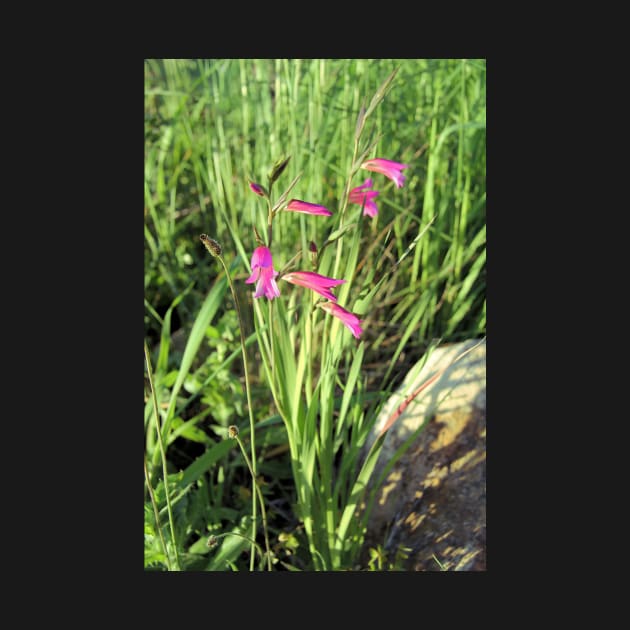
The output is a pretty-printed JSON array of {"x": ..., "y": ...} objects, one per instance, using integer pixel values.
[{"x": 415, "y": 272}]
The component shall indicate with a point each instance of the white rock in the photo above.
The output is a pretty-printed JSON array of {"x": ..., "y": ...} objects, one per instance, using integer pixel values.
[{"x": 433, "y": 500}]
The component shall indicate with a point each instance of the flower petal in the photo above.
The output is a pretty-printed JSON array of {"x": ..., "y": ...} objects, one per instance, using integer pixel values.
[
  {"x": 266, "y": 284},
  {"x": 257, "y": 188},
  {"x": 348, "y": 319},
  {"x": 314, "y": 281},
  {"x": 263, "y": 274},
  {"x": 261, "y": 257},
  {"x": 365, "y": 198},
  {"x": 296, "y": 205},
  {"x": 389, "y": 168}
]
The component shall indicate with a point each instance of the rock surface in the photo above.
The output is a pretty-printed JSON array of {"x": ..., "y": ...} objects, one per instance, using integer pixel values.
[{"x": 433, "y": 501}]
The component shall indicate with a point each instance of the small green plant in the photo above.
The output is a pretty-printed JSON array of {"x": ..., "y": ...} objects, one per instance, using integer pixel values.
[{"x": 379, "y": 559}]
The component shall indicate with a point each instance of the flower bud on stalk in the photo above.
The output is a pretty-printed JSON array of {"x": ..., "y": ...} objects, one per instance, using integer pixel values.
[
  {"x": 211, "y": 245},
  {"x": 232, "y": 431},
  {"x": 277, "y": 169}
]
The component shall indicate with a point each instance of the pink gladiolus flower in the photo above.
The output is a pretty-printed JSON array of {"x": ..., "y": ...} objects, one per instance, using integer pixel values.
[
  {"x": 349, "y": 320},
  {"x": 359, "y": 194},
  {"x": 388, "y": 168},
  {"x": 308, "y": 208},
  {"x": 315, "y": 281},
  {"x": 263, "y": 274},
  {"x": 257, "y": 189}
]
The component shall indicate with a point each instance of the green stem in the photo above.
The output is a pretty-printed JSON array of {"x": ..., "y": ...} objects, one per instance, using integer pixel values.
[
  {"x": 273, "y": 352},
  {"x": 251, "y": 414},
  {"x": 157, "y": 514},
  {"x": 260, "y": 498},
  {"x": 269, "y": 217},
  {"x": 338, "y": 256},
  {"x": 344, "y": 203},
  {"x": 308, "y": 340},
  {"x": 163, "y": 454}
]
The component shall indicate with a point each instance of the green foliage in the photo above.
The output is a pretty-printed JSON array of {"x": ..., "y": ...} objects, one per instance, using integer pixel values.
[{"x": 379, "y": 559}]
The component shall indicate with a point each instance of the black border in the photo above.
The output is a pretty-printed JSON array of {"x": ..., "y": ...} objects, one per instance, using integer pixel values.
[{"x": 108, "y": 236}]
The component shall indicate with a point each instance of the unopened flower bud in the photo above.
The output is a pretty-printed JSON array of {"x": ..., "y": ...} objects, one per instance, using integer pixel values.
[
  {"x": 258, "y": 189},
  {"x": 232, "y": 431},
  {"x": 277, "y": 169},
  {"x": 312, "y": 247},
  {"x": 211, "y": 245}
]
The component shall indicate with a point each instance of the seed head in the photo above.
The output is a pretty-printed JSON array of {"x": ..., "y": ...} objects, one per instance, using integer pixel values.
[
  {"x": 232, "y": 431},
  {"x": 211, "y": 245}
]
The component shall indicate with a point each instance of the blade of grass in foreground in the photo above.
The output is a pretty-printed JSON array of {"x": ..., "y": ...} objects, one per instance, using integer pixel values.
[
  {"x": 207, "y": 312},
  {"x": 162, "y": 452}
]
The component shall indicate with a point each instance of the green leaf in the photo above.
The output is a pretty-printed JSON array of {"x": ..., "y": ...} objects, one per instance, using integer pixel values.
[
  {"x": 336, "y": 234},
  {"x": 229, "y": 551},
  {"x": 165, "y": 337},
  {"x": 358, "y": 490},
  {"x": 349, "y": 387},
  {"x": 206, "y": 461},
  {"x": 188, "y": 430},
  {"x": 381, "y": 92},
  {"x": 197, "y": 334},
  {"x": 360, "y": 123}
]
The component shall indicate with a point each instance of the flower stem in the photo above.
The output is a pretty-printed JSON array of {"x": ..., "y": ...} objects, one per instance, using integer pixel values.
[
  {"x": 260, "y": 498},
  {"x": 269, "y": 217},
  {"x": 251, "y": 416},
  {"x": 308, "y": 340},
  {"x": 163, "y": 454},
  {"x": 157, "y": 514},
  {"x": 273, "y": 354}
]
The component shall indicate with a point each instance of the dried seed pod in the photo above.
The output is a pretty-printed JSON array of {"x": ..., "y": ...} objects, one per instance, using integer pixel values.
[{"x": 211, "y": 245}]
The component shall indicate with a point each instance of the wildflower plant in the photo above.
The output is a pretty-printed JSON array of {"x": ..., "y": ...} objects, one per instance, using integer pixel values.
[
  {"x": 309, "y": 320},
  {"x": 320, "y": 260}
]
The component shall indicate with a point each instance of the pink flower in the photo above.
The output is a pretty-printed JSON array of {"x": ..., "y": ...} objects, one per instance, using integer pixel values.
[
  {"x": 358, "y": 195},
  {"x": 308, "y": 208},
  {"x": 315, "y": 281},
  {"x": 257, "y": 188},
  {"x": 388, "y": 168},
  {"x": 349, "y": 320},
  {"x": 263, "y": 274}
]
